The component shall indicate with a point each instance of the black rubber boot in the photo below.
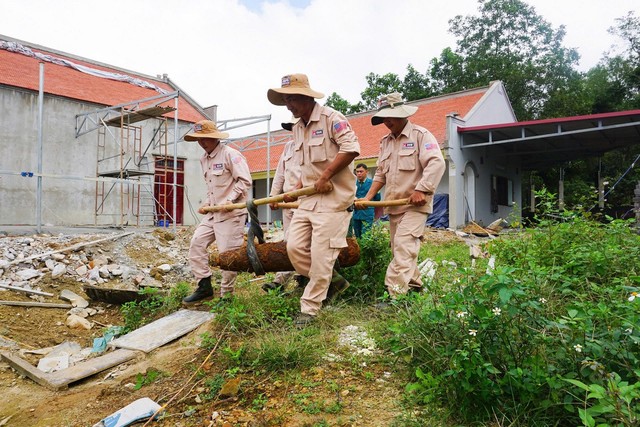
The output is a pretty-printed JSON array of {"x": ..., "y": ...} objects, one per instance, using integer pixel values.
[
  {"x": 302, "y": 281},
  {"x": 204, "y": 291},
  {"x": 337, "y": 286}
]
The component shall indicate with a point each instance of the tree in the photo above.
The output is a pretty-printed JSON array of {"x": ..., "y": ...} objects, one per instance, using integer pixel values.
[
  {"x": 378, "y": 86},
  {"x": 415, "y": 85},
  {"x": 508, "y": 41},
  {"x": 338, "y": 103}
]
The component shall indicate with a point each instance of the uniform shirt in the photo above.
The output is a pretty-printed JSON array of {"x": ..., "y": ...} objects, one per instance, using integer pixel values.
[
  {"x": 287, "y": 172},
  {"x": 362, "y": 188},
  {"x": 412, "y": 161},
  {"x": 316, "y": 145},
  {"x": 228, "y": 179}
]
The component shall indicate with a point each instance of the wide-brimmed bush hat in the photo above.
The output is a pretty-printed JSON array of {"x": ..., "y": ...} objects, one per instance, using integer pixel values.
[
  {"x": 205, "y": 129},
  {"x": 392, "y": 105},
  {"x": 292, "y": 84}
]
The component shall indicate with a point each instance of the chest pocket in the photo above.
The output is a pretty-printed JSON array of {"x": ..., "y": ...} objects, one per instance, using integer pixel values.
[
  {"x": 217, "y": 176},
  {"x": 317, "y": 150},
  {"x": 407, "y": 160},
  {"x": 383, "y": 161}
]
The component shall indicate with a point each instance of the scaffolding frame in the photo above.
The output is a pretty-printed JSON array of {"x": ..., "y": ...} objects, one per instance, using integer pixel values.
[{"x": 122, "y": 154}]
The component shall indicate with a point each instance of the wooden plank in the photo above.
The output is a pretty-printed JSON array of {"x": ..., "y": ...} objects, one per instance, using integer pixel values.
[
  {"x": 26, "y": 291},
  {"x": 61, "y": 379},
  {"x": 25, "y": 368},
  {"x": 162, "y": 331},
  {"x": 36, "y": 304}
]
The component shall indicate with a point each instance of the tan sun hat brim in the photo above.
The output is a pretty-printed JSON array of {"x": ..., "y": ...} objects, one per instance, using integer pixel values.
[
  {"x": 275, "y": 95},
  {"x": 399, "y": 112},
  {"x": 198, "y": 135}
]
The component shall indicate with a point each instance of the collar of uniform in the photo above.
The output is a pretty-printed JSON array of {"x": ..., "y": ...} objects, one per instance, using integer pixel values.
[
  {"x": 406, "y": 131},
  {"x": 315, "y": 114},
  {"x": 215, "y": 150}
]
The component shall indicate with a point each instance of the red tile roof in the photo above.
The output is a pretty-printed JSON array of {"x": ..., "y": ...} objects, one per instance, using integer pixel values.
[
  {"x": 22, "y": 71},
  {"x": 431, "y": 114}
]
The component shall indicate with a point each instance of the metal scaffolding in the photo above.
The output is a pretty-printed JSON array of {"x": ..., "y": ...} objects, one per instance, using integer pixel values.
[{"x": 139, "y": 192}]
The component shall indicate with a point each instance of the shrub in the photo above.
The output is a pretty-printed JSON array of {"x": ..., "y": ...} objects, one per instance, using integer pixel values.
[
  {"x": 367, "y": 276},
  {"x": 525, "y": 342}
]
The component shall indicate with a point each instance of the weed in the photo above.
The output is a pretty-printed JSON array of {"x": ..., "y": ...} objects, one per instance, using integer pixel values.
[
  {"x": 149, "y": 377},
  {"x": 137, "y": 314}
]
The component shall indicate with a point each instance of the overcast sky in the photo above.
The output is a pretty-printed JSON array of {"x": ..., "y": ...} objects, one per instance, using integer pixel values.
[{"x": 229, "y": 52}]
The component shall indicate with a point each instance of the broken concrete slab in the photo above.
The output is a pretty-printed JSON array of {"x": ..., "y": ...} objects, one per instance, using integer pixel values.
[
  {"x": 75, "y": 299},
  {"x": 162, "y": 331}
]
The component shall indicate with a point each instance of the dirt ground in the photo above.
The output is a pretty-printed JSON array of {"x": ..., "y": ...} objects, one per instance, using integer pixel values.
[{"x": 365, "y": 401}]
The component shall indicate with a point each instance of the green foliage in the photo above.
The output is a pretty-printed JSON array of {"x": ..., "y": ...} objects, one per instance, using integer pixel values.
[
  {"x": 277, "y": 352},
  {"x": 213, "y": 386},
  {"x": 561, "y": 304},
  {"x": 509, "y": 41},
  {"x": 367, "y": 276},
  {"x": 149, "y": 377},
  {"x": 250, "y": 312},
  {"x": 338, "y": 103},
  {"x": 137, "y": 314},
  {"x": 378, "y": 86}
]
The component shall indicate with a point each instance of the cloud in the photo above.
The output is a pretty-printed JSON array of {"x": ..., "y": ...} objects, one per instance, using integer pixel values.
[{"x": 230, "y": 52}]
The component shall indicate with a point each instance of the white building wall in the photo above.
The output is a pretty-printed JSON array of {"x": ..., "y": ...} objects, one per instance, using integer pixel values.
[
  {"x": 493, "y": 108},
  {"x": 67, "y": 198}
]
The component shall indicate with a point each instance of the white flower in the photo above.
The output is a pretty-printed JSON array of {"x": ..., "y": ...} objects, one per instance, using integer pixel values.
[
  {"x": 633, "y": 296},
  {"x": 542, "y": 300},
  {"x": 473, "y": 332},
  {"x": 577, "y": 348},
  {"x": 461, "y": 314},
  {"x": 497, "y": 311},
  {"x": 629, "y": 330}
]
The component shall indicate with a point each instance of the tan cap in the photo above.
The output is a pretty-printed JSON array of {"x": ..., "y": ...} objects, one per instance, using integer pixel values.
[
  {"x": 392, "y": 105},
  {"x": 205, "y": 129},
  {"x": 292, "y": 84}
]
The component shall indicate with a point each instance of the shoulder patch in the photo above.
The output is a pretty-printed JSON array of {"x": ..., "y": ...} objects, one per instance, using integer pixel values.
[
  {"x": 341, "y": 126},
  {"x": 236, "y": 159},
  {"x": 430, "y": 146}
]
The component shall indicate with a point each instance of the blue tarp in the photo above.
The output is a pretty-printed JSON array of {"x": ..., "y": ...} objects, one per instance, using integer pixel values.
[{"x": 440, "y": 216}]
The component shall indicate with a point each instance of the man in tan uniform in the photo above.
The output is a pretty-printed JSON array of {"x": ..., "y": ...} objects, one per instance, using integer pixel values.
[
  {"x": 285, "y": 179},
  {"x": 410, "y": 165},
  {"x": 228, "y": 181},
  {"x": 324, "y": 146}
]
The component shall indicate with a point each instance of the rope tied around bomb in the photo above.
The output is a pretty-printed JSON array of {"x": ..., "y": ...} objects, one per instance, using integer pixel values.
[{"x": 254, "y": 231}]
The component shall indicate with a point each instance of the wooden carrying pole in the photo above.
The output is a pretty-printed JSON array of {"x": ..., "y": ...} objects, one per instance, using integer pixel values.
[
  {"x": 382, "y": 203},
  {"x": 305, "y": 191}
]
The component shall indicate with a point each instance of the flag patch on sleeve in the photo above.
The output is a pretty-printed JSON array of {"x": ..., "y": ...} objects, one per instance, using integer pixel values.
[
  {"x": 236, "y": 160},
  {"x": 430, "y": 146},
  {"x": 340, "y": 126}
]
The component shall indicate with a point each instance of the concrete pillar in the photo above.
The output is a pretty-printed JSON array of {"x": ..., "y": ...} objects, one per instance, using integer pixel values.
[
  {"x": 561, "y": 195},
  {"x": 532, "y": 203},
  {"x": 636, "y": 205}
]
